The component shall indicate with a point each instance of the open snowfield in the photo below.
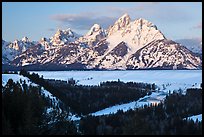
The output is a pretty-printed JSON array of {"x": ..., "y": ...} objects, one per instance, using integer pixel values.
[{"x": 165, "y": 79}]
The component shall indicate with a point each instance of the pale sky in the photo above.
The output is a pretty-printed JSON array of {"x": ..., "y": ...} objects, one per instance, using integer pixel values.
[{"x": 176, "y": 20}]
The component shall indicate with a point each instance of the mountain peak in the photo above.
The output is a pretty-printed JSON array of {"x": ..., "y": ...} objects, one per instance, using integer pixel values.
[
  {"x": 62, "y": 37},
  {"x": 43, "y": 39},
  {"x": 121, "y": 23},
  {"x": 94, "y": 28},
  {"x": 125, "y": 16},
  {"x": 124, "y": 20},
  {"x": 143, "y": 22},
  {"x": 142, "y": 19},
  {"x": 67, "y": 32},
  {"x": 94, "y": 35},
  {"x": 25, "y": 39},
  {"x": 59, "y": 31}
]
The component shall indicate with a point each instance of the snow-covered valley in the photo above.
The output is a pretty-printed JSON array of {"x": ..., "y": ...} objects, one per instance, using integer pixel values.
[{"x": 165, "y": 80}]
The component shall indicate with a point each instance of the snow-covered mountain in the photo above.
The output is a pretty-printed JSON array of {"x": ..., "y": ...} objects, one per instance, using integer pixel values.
[
  {"x": 63, "y": 37},
  {"x": 124, "y": 39},
  {"x": 127, "y": 44},
  {"x": 94, "y": 35},
  {"x": 10, "y": 50}
]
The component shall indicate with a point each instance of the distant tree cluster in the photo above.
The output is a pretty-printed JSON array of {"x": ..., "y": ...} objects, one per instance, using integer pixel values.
[
  {"x": 164, "y": 119},
  {"x": 9, "y": 72}
]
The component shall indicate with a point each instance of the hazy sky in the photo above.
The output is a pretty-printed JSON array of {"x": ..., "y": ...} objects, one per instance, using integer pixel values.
[{"x": 177, "y": 20}]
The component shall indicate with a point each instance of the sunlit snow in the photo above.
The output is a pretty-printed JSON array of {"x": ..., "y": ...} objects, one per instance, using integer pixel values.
[{"x": 165, "y": 79}]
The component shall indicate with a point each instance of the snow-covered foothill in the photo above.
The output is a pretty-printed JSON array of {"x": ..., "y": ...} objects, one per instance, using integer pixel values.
[
  {"x": 17, "y": 77},
  {"x": 48, "y": 94}
]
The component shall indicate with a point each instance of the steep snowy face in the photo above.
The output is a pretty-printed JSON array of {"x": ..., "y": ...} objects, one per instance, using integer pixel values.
[
  {"x": 136, "y": 34},
  {"x": 165, "y": 54},
  {"x": 143, "y": 32},
  {"x": 120, "y": 24},
  {"x": 63, "y": 37},
  {"x": 129, "y": 37},
  {"x": 94, "y": 35},
  {"x": 116, "y": 58}
]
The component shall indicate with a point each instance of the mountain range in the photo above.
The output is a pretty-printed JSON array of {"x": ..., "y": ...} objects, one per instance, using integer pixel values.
[{"x": 127, "y": 44}]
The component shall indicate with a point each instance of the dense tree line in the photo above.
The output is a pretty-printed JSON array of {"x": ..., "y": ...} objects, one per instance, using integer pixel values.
[
  {"x": 21, "y": 111},
  {"x": 164, "y": 119},
  {"x": 9, "y": 72},
  {"x": 87, "y": 99},
  {"x": 184, "y": 105},
  {"x": 24, "y": 112}
]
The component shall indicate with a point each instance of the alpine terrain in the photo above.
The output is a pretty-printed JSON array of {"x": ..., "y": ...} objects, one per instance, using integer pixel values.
[{"x": 127, "y": 44}]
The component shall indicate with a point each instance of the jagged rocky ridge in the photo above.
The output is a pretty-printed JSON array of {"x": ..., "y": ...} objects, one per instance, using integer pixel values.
[
  {"x": 127, "y": 44},
  {"x": 10, "y": 50}
]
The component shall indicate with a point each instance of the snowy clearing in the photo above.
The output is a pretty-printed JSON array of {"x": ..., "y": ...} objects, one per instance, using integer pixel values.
[
  {"x": 165, "y": 79},
  {"x": 154, "y": 98}
]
